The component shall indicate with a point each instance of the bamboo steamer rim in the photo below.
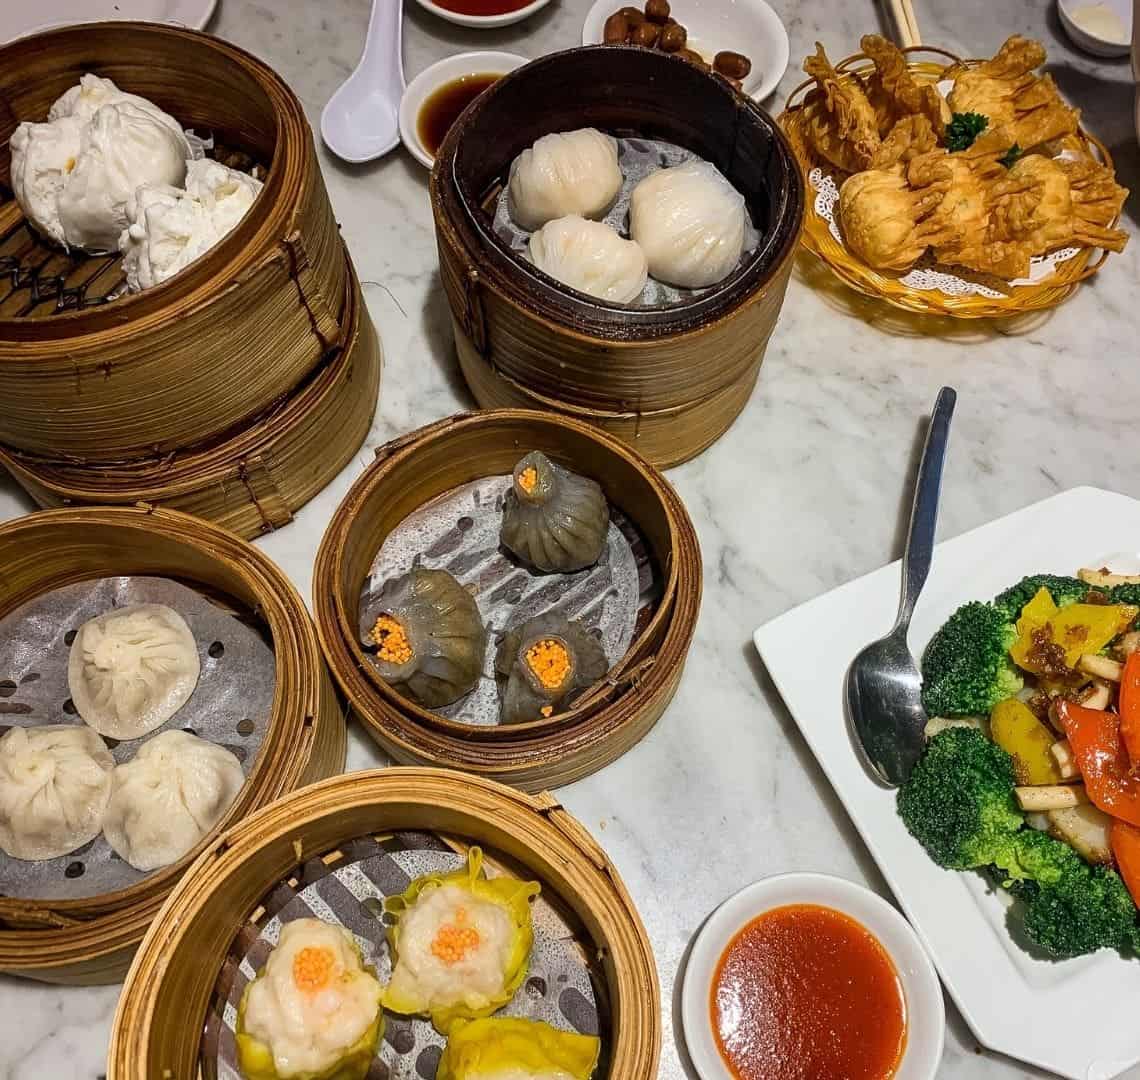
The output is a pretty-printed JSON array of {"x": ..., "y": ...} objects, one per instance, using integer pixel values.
[
  {"x": 556, "y": 848},
  {"x": 641, "y": 672},
  {"x": 111, "y": 921},
  {"x": 817, "y": 238},
  {"x": 267, "y": 226}
]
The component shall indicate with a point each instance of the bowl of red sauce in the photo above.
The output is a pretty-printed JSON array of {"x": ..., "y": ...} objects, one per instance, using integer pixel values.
[
  {"x": 811, "y": 976},
  {"x": 485, "y": 14}
]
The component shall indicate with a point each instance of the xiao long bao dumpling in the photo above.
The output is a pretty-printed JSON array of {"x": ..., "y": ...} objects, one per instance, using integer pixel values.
[
  {"x": 54, "y": 785},
  {"x": 591, "y": 257},
  {"x": 545, "y": 661},
  {"x": 553, "y": 519},
  {"x": 132, "y": 669},
  {"x": 509, "y": 1049},
  {"x": 169, "y": 796},
  {"x": 430, "y": 639},
  {"x": 690, "y": 222},
  {"x": 569, "y": 172},
  {"x": 313, "y": 1011},
  {"x": 461, "y": 944}
]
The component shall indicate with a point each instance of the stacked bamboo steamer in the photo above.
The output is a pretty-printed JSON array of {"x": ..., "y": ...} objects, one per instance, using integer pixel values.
[{"x": 237, "y": 389}]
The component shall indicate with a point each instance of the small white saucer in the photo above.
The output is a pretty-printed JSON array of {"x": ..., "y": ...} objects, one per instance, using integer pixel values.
[
  {"x": 484, "y": 22},
  {"x": 926, "y": 1014},
  {"x": 440, "y": 74},
  {"x": 749, "y": 27},
  {"x": 1089, "y": 40}
]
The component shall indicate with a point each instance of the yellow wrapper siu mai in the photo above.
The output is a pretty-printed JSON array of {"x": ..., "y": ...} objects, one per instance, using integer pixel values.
[
  {"x": 461, "y": 944},
  {"x": 509, "y": 1049},
  {"x": 313, "y": 1012}
]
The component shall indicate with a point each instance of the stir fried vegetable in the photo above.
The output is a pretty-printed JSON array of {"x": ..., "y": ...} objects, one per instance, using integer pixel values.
[{"x": 1095, "y": 738}]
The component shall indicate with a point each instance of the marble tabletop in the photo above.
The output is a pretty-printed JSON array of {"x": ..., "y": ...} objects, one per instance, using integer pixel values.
[{"x": 807, "y": 491}]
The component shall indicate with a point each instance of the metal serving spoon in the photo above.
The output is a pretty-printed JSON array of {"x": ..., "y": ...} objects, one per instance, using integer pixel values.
[
  {"x": 884, "y": 688},
  {"x": 361, "y": 120}
]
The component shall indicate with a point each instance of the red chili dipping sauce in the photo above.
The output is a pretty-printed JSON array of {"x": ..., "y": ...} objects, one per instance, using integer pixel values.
[
  {"x": 482, "y": 7},
  {"x": 806, "y": 993}
]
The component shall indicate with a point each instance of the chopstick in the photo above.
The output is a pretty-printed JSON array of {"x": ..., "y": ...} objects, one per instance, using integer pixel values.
[{"x": 906, "y": 25}]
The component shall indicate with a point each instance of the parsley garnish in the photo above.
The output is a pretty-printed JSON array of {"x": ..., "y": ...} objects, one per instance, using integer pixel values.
[
  {"x": 1011, "y": 155},
  {"x": 963, "y": 129}
]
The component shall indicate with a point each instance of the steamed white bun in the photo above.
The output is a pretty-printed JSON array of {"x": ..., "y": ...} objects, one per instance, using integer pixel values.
[
  {"x": 591, "y": 257},
  {"x": 43, "y": 159},
  {"x": 570, "y": 172},
  {"x": 92, "y": 93}
]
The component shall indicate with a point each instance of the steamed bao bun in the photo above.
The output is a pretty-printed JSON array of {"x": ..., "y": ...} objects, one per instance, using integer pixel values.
[{"x": 570, "y": 172}]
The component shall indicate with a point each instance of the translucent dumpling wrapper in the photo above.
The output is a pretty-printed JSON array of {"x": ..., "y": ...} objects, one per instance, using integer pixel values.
[
  {"x": 545, "y": 662},
  {"x": 430, "y": 639},
  {"x": 509, "y": 1049},
  {"x": 55, "y": 781},
  {"x": 132, "y": 669},
  {"x": 313, "y": 1012},
  {"x": 461, "y": 944},
  {"x": 591, "y": 257},
  {"x": 554, "y": 520},
  {"x": 568, "y": 172}
]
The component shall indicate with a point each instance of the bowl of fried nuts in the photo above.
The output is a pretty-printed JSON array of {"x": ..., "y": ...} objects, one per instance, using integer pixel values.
[{"x": 743, "y": 41}]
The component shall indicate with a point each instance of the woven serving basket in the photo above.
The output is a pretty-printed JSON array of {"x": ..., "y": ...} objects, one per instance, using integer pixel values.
[
  {"x": 253, "y": 480},
  {"x": 887, "y": 284},
  {"x": 215, "y": 347},
  {"x": 612, "y": 717},
  {"x": 87, "y": 941},
  {"x": 671, "y": 379},
  {"x": 159, "y": 1023}
]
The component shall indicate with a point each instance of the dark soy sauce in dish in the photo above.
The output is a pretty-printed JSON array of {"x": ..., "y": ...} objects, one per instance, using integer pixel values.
[{"x": 443, "y": 106}]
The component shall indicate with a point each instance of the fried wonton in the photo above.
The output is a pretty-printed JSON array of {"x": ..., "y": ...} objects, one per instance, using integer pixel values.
[
  {"x": 895, "y": 93},
  {"x": 839, "y": 122},
  {"x": 911, "y": 137}
]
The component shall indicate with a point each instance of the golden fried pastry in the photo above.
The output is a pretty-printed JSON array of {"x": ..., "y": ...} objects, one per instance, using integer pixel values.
[
  {"x": 839, "y": 122},
  {"x": 910, "y": 137},
  {"x": 895, "y": 93},
  {"x": 965, "y": 185},
  {"x": 885, "y": 222}
]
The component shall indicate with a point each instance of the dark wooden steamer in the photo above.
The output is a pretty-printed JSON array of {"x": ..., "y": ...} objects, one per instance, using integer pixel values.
[{"x": 670, "y": 380}]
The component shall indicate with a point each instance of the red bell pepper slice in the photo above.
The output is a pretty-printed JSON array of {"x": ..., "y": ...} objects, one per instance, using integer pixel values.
[
  {"x": 1130, "y": 707},
  {"x": 1095, "y": 738},
  {"x": 1126, "y": 849}
]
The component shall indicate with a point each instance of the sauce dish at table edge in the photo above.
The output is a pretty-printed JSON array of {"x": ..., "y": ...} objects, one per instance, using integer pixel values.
[
  {"x": 925, "y": 1009},
  {"x": 445, "y": 71},
  {"x": 750, "y": 27},
  {"x": 1089, "y": 40},
  {"x": 484, "y": 22}
]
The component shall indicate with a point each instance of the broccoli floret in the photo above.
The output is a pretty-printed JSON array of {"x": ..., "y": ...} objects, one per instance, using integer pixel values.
[
  {"x": 1064, "y": 590},
  {"x": 1125, "y": 594},
  {"x": 1087, "y": 909},
  {"x": 966, "y": 669},
  {"x": 958, "y": 802}
]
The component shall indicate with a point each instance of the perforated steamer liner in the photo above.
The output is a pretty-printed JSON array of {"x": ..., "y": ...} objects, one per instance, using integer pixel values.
[
  {"x": 610, "y": 718},
  {"x": 91, "y": 940},
  {"x": 159, "y": 1023}
]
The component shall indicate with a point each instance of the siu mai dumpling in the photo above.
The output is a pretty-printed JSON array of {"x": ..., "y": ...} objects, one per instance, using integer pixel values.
[
  {"x": 544, "y": 662},
  {"x": 461, "y": 944},
  {"x": 430, "y": 639},
  {"x": 313, "y": 1012},
  {"x": 504, "y": 1048},
  {"x": 553, "y": 519}
]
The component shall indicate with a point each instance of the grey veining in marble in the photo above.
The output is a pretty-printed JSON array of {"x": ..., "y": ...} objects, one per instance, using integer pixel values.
[{"x": 808, "y": 490}]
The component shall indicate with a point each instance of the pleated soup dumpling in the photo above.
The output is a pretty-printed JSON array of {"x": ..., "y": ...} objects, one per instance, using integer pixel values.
[
  {"x": 591, "y": 257},
  {"x": 690, "y": 222},
  {"x": 545, "y": 662},
  {"x": 505, "y": 1048},
  {"x": 313, "y": 1011},
  {"x": 131, "y": 669},
  {"x": 55, "y": 781},
  {"x": 168, "y": 797},
  {"x": 567, "y": 172},
  {"x": 461, "y": 944}
]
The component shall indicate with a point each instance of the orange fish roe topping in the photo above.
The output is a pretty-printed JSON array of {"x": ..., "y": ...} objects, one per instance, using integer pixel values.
[
  {"x": 392, "y": 639},
  {"x": 528, "y": 478},
  {"x": 550, "y": 662},
  {"x": 547, "y": 710},
  {"x": 453, "y": 943},
  {"x": 312, "y": 968}
]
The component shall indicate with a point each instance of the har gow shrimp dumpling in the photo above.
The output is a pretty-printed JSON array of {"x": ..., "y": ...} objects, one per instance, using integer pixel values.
[
  {"x": 313, "y": 1012},
  {"x": 55, "y": 781},
  {"x": 461, "y": 944},
  {"x": 509, "y": 1049},
  {"x": 568, "y": 172},
  {"x": 169, "y": 796},
  {"x": 690, "y": 222},
  {"x": 131, "y": 669},
  {"x": 591, "y": 257}
]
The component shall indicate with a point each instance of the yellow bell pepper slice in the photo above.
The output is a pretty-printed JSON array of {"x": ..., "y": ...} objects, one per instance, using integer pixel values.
[
  {"x": 1068, "y": 633},
  {"x": 1016, "y": 729}
]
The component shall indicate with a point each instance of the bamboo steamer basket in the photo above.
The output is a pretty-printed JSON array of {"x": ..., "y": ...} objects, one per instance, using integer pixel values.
[
  {"x": 612, "y": 717},
  {"x": 669, "y": 379},
  {"x": 219, "y": 343},
  {"x": 253, "y": 481},
  {"x": 158, "y": 1025},
  {"x": 927, "y": 63},
  {"x": 89, "y": 941}
]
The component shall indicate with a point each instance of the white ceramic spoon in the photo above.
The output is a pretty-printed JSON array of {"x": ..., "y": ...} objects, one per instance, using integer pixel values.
[{"x": 361, "y": 120}]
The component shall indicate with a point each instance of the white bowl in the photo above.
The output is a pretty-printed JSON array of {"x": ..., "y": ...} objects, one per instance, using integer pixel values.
[
  {"x": 1089, "y": 40},
  {"x": 484, "y": 22},
  {"x": 440, "y": 74},
  {"x": 926, "y": 1014},
  {"x": 750, "y": 27}
]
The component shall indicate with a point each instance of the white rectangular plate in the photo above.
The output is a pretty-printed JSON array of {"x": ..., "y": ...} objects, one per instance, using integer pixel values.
[{"x": 1077, "y": 1018}]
